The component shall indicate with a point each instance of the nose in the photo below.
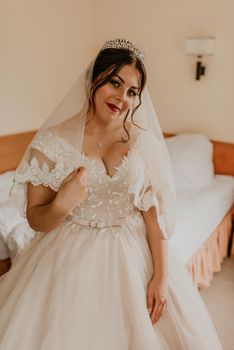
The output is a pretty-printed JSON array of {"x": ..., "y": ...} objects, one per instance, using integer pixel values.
[{"x": 122, "y": 95}]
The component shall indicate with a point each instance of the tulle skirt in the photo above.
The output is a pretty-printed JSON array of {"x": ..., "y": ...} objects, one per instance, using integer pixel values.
[{"x": 82, "y": 288}]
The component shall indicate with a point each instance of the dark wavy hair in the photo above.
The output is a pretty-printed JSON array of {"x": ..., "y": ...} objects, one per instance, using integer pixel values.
[{"x": 107, "y": 65}]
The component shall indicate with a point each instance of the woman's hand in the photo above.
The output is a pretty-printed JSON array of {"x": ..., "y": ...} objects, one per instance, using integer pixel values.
[
  {"x": 156, "y": 299},
  {"x": 72, "y": 191}
]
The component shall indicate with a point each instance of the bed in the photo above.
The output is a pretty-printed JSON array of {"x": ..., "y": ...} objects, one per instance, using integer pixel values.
[
  {"x": 204, "y": 180},
  {"x": 204, "y": 228},
  {"x": 204, "y": 174}
]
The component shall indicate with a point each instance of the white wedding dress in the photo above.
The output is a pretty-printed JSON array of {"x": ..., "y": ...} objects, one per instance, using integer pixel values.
[{"x": 83, "y": 287}]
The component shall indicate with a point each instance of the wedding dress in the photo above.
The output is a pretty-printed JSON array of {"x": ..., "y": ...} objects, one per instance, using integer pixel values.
[{"x": 83, "y": 285}]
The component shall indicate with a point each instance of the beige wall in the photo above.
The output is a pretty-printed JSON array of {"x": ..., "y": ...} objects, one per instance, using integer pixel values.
[
  {"x": 160, "y": 27},
  {"x": 46, "y": 43}
]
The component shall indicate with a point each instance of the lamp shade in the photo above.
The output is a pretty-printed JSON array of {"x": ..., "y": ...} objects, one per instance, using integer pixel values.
[{"x": 200, "y": 46}]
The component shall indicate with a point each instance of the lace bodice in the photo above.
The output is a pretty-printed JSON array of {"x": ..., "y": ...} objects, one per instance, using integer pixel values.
[{"x": 109, "y": 197}]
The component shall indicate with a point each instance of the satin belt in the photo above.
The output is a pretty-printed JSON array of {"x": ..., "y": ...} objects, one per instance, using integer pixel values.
[{"x": 97, "y": 224}]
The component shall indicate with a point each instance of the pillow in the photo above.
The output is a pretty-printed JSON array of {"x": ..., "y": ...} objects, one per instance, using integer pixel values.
[
  {"x": 15, "y": 232},
  {"x": 6, "y": 180},
  {"x": 19, "y": 238},
  {"x": 9, "y": 218},
  {"x": 4, "y": 253},
  {"x": 191, "y": 156}
]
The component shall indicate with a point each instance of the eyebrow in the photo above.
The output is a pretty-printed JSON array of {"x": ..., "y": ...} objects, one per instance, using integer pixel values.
[{"x": 132, "y": 87}]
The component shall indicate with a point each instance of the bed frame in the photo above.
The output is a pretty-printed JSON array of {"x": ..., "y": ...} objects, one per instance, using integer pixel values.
[{"x": 13, "y": 146}]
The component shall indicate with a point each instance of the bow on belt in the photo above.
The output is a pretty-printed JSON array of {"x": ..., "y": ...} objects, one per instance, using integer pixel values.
[{"x": 97, "y": 224}]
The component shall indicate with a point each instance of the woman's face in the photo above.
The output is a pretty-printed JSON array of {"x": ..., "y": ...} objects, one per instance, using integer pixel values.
[{"x": 118, "y": 95}]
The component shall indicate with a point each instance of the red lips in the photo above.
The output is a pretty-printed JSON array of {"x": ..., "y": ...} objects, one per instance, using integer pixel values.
[{"x": 113, "y": 107}]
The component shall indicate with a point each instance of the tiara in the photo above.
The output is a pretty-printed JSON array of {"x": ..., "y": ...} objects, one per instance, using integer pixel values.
[{"x": 124, "y": 44}]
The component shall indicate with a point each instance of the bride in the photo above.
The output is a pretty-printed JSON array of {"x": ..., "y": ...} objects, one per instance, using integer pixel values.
[{"x": 96, "y": 187}]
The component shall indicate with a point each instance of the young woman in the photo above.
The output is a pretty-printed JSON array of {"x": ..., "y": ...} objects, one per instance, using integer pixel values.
[{"x": 96, "y": 186}]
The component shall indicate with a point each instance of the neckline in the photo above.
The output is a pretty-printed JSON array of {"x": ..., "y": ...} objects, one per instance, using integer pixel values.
[{"x": 102, "y": 165}]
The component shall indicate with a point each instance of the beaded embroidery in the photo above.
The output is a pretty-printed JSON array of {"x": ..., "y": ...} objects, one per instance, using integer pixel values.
[{"x": 108, "y": 197}]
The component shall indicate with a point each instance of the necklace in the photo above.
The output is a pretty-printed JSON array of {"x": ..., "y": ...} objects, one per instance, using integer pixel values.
[
  {"x": 100, "y": 144},
  {"x": 100, "y": 140}
]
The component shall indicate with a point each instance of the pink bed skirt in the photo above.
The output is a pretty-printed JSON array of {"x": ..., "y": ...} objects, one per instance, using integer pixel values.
[{"x": 209, "y": 257}]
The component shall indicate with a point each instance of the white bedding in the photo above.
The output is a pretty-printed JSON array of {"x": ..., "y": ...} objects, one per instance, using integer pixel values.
[
  {"x": 198, "y": 214},
  {"x": 5, "y": 184},
  {"x": 4, "y": 252},
  {"x": 13, "y": 227},
  {"x": 6, "y": 180}
]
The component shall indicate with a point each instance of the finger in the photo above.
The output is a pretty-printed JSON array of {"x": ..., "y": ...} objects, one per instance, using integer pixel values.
[
  {"x": 81, "y": 170},
  {"x": 150, "y": 303},
  {"x": 157, "y": 318},
  {"x": 164, "y": 308},
  {"x": 70, "y": 176},
  {"x": 159, "y": 302},
  {"x": 81, "y": 174},
  {"x": 85, "y": 191},
  {"x": 82, "y": 197},
  {"x": 161, "y": 309},
  {"x": 155, "y": 310}
]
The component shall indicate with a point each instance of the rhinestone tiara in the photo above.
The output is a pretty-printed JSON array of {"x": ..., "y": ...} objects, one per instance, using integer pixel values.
[{"x": 124, "y": 44}]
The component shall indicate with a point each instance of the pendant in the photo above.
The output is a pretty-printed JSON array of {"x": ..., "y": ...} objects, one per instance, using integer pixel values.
[{"x": 100, "y": 144}]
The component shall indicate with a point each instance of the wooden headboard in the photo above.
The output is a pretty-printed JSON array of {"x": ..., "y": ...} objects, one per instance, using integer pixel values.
[
  {"x": 13, "y": 146},
  {"x": 223, "y": 158}
]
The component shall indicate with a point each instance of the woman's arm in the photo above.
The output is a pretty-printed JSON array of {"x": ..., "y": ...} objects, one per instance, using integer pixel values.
[
  {"x": 157, "y": 244},
  {"x": 43, "y": 213},
  {"x": 47, "y": 209},
  {"x": 157, "y": 287}
]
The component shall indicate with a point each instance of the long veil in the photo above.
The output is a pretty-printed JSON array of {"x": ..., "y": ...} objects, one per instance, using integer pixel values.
[{"x": 43, "y": 164}]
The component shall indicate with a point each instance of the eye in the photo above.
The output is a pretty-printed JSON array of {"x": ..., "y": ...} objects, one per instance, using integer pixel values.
[
  {"x": 115, "y": 82},
  {"x": 132, "y": 93}
]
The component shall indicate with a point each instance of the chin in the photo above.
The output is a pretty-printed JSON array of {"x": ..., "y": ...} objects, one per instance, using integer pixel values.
[{"x": 113, "y": 115}]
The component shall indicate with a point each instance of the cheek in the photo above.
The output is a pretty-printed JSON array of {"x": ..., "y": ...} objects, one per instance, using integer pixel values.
[
  {"x": 98, "y": 98},
  {"x": 106, "y": 90},
  {"x": 102, "y": 94}
]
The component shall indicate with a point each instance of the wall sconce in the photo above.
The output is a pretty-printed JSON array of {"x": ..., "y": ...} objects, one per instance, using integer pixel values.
[{"x": 199, "y": 47}]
